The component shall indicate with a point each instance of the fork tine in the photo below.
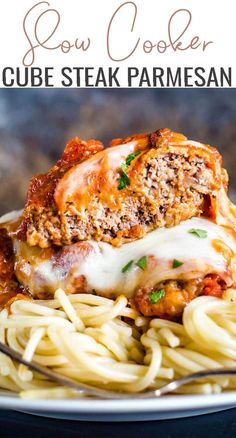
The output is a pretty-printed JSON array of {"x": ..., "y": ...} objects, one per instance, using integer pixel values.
[
  {"x": 81, "y": 388},
  {"x": 92, "y": 391}
]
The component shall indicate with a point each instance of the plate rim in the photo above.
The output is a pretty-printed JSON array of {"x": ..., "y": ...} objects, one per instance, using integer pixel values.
[{"x": 89, "y": 406}]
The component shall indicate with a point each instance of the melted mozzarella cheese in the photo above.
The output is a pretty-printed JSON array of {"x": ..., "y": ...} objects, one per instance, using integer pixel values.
[
  {"x": 10, "y": 217},
  {"x": 102, "y": 264},
  {"x": 103, "y": 269},
  {"x": 73, "y": 181}
]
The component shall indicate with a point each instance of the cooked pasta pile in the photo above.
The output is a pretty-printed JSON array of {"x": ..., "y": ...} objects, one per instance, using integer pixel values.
[{"x": 106, "y": 343}]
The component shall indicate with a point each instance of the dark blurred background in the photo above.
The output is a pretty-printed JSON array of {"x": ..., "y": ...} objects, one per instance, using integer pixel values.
[{"x": 36, "y": 124}]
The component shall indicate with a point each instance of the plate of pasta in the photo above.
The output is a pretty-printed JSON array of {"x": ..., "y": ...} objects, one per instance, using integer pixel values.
[
  {"x": 120, "y": 273},
  {"x": 84, "y": 337}
]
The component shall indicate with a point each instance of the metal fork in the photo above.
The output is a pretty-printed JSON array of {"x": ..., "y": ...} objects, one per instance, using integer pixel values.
[{"x": 92, "y": 391}]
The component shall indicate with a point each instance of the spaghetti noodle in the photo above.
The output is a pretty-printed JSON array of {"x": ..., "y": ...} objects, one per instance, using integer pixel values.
[{"x": 107, "y": 344}]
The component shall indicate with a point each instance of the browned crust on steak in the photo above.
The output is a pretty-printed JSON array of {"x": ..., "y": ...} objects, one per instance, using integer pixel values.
[
  {"x": 9, "y": 286},
  {"x": 40, "y": 196},
  {"x": 172, "y": 179}
]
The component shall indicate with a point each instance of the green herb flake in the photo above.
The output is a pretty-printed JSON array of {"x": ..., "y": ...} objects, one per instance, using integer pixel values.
[
  {"x": 156, "y": 295},
  {"x": 131, "y": 157},
  {"x": 123, "y": 167},
  {"x": 127, "y": 266},
  {"x": 202, "y": 234},
  {"x": 124, "y": 180},
  {"x": 176, "y": 263},
  {"x": 142, "y": 263}
]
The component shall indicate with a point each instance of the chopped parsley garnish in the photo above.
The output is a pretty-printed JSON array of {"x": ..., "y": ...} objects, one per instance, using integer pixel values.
[
  {"x": 142, "y": 263},
  {"x": 176, "y": 263},
  {"x": 124, "y": 179},
  {"x": 156, "y": 295},
  {"x": 128, "y": 266},
  {"x": 198, "y": 232},
  {"x": 131, "y": 157}
]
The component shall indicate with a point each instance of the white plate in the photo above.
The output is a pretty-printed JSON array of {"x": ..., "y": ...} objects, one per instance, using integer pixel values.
[{"x": 167, "y": 407}]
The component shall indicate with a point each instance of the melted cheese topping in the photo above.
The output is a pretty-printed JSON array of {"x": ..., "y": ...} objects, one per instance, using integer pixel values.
[
  {"x": 99, "y": 173},
  {"x": 103, "y": 269},
  {"x": 79, "y": 178},
  {"x": 10, "y": 217},
  {"x": 101, "y": 264}
]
